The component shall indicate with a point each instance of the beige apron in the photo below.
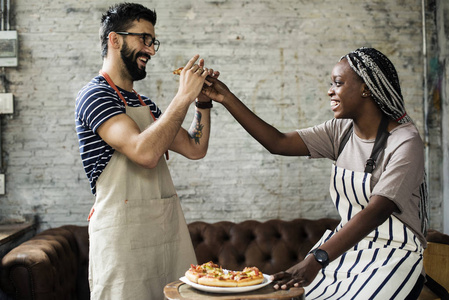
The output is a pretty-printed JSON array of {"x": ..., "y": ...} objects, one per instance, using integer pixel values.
[{"x": 139, "y": 239}]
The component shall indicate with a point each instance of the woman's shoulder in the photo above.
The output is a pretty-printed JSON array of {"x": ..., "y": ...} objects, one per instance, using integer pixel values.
[
  {"x": 338, "y": 127},
  {"x": 407, "y": 131},
  {"x": 336, "y": 124},
  {"x": 405, "y": 138}
]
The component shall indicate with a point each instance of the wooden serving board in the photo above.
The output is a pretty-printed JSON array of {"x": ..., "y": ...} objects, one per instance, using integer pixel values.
[{"x": 178, "y": 290}]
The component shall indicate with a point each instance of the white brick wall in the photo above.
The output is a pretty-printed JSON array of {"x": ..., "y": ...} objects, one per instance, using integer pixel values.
[{"x": 275, "y": 55}]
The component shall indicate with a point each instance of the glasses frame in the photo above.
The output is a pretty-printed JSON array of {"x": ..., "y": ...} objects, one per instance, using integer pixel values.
[{"x": 153, "y": 40}]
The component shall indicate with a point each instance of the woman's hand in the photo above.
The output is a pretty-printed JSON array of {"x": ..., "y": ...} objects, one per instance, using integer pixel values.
[
  {"x": 216, "y": 90},
  {"x": 301, "y": 274},
  {"x": 211, "y": 74}
]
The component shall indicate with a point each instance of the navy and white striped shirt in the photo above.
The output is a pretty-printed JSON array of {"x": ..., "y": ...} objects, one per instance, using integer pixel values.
[{"x": 97, "y": 102}]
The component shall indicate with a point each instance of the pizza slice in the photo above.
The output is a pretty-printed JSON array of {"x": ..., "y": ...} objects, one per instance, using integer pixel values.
[
  {"x": 178, "y": 71},
  {"x": 197, "y": 271},
  {"x": 249, "y": 276}
]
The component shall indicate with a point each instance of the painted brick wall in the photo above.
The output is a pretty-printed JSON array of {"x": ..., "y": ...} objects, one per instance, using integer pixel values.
[{"x": 276, "y": 55}]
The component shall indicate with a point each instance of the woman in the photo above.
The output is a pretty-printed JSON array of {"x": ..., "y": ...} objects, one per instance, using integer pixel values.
[{"x": 377, "y": 183}]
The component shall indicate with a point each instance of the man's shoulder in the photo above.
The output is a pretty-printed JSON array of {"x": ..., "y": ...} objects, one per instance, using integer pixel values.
[
  {"x": 96, "y": 85},
  {"x": 96, "y": 91},
  {"x": 97, "y": 97}
]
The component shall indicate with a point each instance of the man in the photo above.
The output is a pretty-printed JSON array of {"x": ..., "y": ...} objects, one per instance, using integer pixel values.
[{"x": 139, "y": 239}]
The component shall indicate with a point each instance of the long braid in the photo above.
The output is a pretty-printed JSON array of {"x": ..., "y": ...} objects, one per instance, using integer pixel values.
[
  {"x": 381, "y": 77},
  {"x": 379, "y": 74}
]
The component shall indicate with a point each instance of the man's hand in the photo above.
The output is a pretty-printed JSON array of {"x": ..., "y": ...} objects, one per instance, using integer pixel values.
[{"x": 192, "y": 79}]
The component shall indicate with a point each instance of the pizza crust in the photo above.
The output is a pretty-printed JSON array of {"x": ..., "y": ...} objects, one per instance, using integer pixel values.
[
  {"x": 249, "y": 281},
  {"x": 218, "y": 282},
  {"x": 192, "y": 276}
]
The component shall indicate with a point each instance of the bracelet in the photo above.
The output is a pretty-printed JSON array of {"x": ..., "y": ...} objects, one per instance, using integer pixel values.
[{"x": 204, "y": 105}]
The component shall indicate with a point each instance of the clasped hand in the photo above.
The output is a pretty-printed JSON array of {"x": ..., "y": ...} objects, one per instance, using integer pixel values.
[
  {"x": 193, "y": 77},
  {"x": 216, "y": 90}
]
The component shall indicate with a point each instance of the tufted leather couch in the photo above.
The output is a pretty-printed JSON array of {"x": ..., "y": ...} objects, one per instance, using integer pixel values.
[
  {"x": 52, "y": 266},
  {"x": 54, "y": 263},
  {"x": 272, "y": 246}
]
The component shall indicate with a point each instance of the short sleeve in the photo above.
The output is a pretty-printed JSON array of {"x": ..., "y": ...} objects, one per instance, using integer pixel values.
[
  {"x": 402, "y": 168},
  {"x": 96, "y": 105},
  {"x": 323, "y": 140}
]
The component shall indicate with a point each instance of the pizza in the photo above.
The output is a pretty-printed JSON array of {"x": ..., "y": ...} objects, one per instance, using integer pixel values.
[
  {"x": 178, "y": 71},
  {"x": 249, "y": 276},
  {"x": 211, "y": 274}
]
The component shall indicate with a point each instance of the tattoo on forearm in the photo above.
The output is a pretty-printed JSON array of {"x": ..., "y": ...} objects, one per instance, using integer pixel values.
[{"x": 196, "y": 130}]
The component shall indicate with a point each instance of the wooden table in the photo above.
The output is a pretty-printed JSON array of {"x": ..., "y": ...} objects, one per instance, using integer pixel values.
[
  {"x": 12, "y": 235},
  {"x": 178, "y": 290}
]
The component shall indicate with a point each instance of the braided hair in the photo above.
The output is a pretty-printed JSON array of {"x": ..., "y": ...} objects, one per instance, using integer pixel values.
[{"x": 379, "y": 74}]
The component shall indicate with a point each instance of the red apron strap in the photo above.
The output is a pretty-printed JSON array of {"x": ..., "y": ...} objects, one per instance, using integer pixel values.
[{"x": 111, "y": 83}]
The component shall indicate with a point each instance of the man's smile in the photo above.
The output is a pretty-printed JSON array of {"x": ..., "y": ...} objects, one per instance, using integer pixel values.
[{"x": 143, "y": 59}]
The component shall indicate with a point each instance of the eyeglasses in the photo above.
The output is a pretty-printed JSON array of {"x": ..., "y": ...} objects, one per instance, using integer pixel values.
[{"x": 148, "y": 39}]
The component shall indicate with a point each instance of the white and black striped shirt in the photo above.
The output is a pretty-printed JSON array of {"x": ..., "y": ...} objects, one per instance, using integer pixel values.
[{"x": 97, "y": 102}]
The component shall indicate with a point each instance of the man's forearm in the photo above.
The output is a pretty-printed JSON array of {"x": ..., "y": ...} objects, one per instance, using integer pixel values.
[
  {"x": 199, "y": 132},
  {"x": 196, "y": 131},
  {"x": 156, "y": 139}
]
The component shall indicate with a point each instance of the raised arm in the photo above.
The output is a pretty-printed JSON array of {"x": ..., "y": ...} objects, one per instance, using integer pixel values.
[
  {"x": 194, "y": 143},
  {"x": 289, "y": 144},
  {"x": 147, "y": 146}
]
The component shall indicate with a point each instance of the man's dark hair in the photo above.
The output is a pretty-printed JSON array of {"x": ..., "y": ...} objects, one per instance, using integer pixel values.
[{"x": 120, "y": 17}]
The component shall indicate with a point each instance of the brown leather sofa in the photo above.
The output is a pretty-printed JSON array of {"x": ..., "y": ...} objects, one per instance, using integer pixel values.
[
  {"x": 272, "y": 246},
  {"x": 54, "y": 263}
]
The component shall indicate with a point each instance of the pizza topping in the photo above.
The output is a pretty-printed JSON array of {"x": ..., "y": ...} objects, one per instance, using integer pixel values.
[
  {"x": 212, "y": 274},
  {"x": 178, "y": 71}
]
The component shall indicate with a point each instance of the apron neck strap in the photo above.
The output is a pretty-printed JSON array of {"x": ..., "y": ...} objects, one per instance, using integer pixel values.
[
  {"x": 111, "y": 83},
  {"x": 379, "y": 144},
  {"x": 345, "y": 139}
]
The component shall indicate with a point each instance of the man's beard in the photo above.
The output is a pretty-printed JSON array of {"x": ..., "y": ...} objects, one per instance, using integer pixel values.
[{"x": 130, "y": 60}]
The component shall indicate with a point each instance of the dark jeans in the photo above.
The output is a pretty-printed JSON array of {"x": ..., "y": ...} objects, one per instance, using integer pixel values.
[
  {"x": 414, "y": 294},
  {"x": 434, "y": 286}
]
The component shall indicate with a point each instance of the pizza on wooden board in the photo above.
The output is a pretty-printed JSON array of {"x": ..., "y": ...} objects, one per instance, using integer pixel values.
[{"x": 211, "y": 274}]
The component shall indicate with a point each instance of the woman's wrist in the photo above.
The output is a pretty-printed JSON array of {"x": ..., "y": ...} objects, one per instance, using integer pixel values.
[{"x": 230, "y": 100}]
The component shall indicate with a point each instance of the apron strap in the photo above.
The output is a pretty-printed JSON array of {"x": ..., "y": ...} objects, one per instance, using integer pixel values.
[
  {"x": 345, "y": 139},
  {"x": 111, "y": 83},
  {"x": 379, "y": 143}
]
